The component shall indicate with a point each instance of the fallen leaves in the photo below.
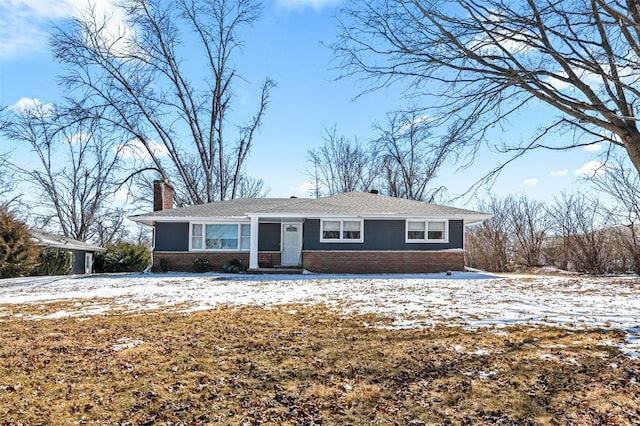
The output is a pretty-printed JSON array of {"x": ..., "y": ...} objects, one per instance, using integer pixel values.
[{"x": 307, "y": 365}]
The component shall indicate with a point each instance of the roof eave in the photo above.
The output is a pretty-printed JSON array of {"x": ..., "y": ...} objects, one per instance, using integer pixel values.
[
  {"x": 150, "y": 220},
  {"x": 467, "y": 218},
  {"x": 71, "y": 246},
  {"x": 472, "y": 219}
]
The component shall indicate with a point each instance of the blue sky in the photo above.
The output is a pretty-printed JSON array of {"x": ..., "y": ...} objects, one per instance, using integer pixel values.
[{"x": 287, "y": 45}]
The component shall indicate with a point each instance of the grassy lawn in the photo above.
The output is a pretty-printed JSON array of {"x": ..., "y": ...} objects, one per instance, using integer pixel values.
[{"x": 305, "y": 365}]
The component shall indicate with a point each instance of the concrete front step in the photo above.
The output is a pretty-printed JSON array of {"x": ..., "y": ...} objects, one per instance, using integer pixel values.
[{"x": 276, "y": 270}]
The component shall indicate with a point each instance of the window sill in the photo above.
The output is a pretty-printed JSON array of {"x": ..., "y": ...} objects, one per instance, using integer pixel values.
[
  {"x": 218, "y": 250},
  {"x": 426, "y": 241}
]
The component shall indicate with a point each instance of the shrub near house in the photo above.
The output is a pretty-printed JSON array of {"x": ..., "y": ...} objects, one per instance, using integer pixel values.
[
  {"x": 54, "y": 261},
  {"x": 18, "y": 253},
  {"x": 123, "y": 257}
]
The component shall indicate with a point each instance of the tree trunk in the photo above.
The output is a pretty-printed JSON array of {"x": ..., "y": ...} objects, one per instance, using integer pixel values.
[{"x": 632, "y": 145}]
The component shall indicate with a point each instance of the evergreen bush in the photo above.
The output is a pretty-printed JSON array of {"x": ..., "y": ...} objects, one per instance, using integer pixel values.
[
  {"x": 201, "y": 265},
  {"x": 164, "y": 265},
  {"x": 123, "y": 257},
  {"x": 54, "y": 261},
  {"x": 18, "y": 253},
  {"x": 234, "y": 266}
]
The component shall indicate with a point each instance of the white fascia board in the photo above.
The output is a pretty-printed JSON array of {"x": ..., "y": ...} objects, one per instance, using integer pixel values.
[
  {"x": 468, "y": 219},
  {"x": 145, "y": 220},
  {"x": 150, "y": 220}
]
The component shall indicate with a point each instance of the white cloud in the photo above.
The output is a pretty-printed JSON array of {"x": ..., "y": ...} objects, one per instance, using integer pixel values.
[
  {"x": 513, "y": 43},
  {"x": 591, "y": 169},
  {"x": 501, "y": 39},
  {"x": 559, "y": 173},
  {"x": 587, "y": 77},
  {"x": 302, "y": 190},
  {"x": 417, "y": 121},
  {"x": 24, "y": 24},
  {"x": 134, "y": 149},
  {"x": 121, "y": 195},
  {"x": 25, "y": 105},
  {"x": 301, "y": 4},
  {"x": 594, "y": 147},
  {"x": 531, "y": 182}
]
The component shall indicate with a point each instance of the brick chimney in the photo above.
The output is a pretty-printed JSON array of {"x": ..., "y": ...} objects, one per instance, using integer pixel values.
[{"x": 162, "y": 195}]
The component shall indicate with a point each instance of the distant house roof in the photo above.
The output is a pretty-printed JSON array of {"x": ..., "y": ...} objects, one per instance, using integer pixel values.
[
  {"x": 346, "y": 204},
  {"x": 47, "y": 239}
]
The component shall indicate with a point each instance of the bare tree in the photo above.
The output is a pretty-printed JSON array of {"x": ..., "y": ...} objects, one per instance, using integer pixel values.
[
  {"x": 109, "y": 227},
  {"x": 341, "y": 165},
  {"x": 491, "y": 59},
  {"x": 529, "y": 226},
  {"x": 623, "y": 185},
  {"x": 411, "y": 154},
  {"x": 74, "y": 168},
  {"x": 177, "y": 108},
  {"x": 488, "y": 245},
  {"x": 582, "y": 238},
  {"x": 7, "y": 185}
]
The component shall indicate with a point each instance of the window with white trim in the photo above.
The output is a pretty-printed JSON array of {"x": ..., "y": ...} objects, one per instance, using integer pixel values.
[
  {"x": 341, "y": 230},
  {"x": 196, "y": 236},
  {"x": 245, "y": 236},
  {"x": 426, "y": 231},
  {"x": 220, "y": 236}
]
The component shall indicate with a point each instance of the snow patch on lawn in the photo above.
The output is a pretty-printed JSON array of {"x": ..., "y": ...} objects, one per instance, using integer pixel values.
[
  {"x": 465, "y": 299},
  {"x": 125, "y": 343}
]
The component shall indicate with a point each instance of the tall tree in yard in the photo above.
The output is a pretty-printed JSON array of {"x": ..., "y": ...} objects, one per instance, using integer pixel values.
[
  {"x": 410, "y": 154},
  {"x": 402, "y": 161},
  {"x": 341, "y": 165},
  {"x": 7, "y": 184},
  {"x": 135, "y": 74},
  {"x": 74, "y": 166},
  {"x": 492, "y": 59}
]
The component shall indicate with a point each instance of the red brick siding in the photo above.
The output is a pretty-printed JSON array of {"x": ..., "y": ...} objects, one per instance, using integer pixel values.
[
  {"x": 356, "y": 262},
  {"x": 183, "y": 261},
  {"x": 375, "y": 262},
  {"x": 268, "y": 259},
  {"x": 162, "y": 195}
]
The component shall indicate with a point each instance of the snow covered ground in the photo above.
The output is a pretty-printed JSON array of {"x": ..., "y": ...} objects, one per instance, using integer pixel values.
[{"x": 466, "y": 299}]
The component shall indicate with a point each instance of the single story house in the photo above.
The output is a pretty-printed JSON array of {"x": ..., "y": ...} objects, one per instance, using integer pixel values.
[
  {"x": 352, "y": 232},
  {"x": 82, "y": 253}
]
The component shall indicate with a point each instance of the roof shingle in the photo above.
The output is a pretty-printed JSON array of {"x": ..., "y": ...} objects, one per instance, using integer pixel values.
[{"x": 348, "y": 204}]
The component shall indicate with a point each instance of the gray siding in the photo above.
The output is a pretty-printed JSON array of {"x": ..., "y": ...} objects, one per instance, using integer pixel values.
[
  {"x": 78, "y": 261},
  {"x": 378, "y": 235},
  {"x": 170, "y": 236},
  {"x": 381, "y": 235},
  {"x": 269, "y": 236}
]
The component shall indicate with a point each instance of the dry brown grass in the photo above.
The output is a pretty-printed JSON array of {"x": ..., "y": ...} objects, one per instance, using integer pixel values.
[{"x": 303, "y": 365}]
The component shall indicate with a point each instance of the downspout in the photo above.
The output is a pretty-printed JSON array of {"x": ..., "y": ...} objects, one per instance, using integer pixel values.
[{"x": 147, "y": 270}]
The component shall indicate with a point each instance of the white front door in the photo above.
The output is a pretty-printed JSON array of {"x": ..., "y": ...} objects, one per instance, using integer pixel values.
[
  {"x": 88, "y": 263},
  {"x": 291, "y": 244}
]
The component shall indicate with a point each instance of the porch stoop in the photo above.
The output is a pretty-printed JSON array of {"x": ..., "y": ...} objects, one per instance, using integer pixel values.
[{"x": 276, "y": 270}]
